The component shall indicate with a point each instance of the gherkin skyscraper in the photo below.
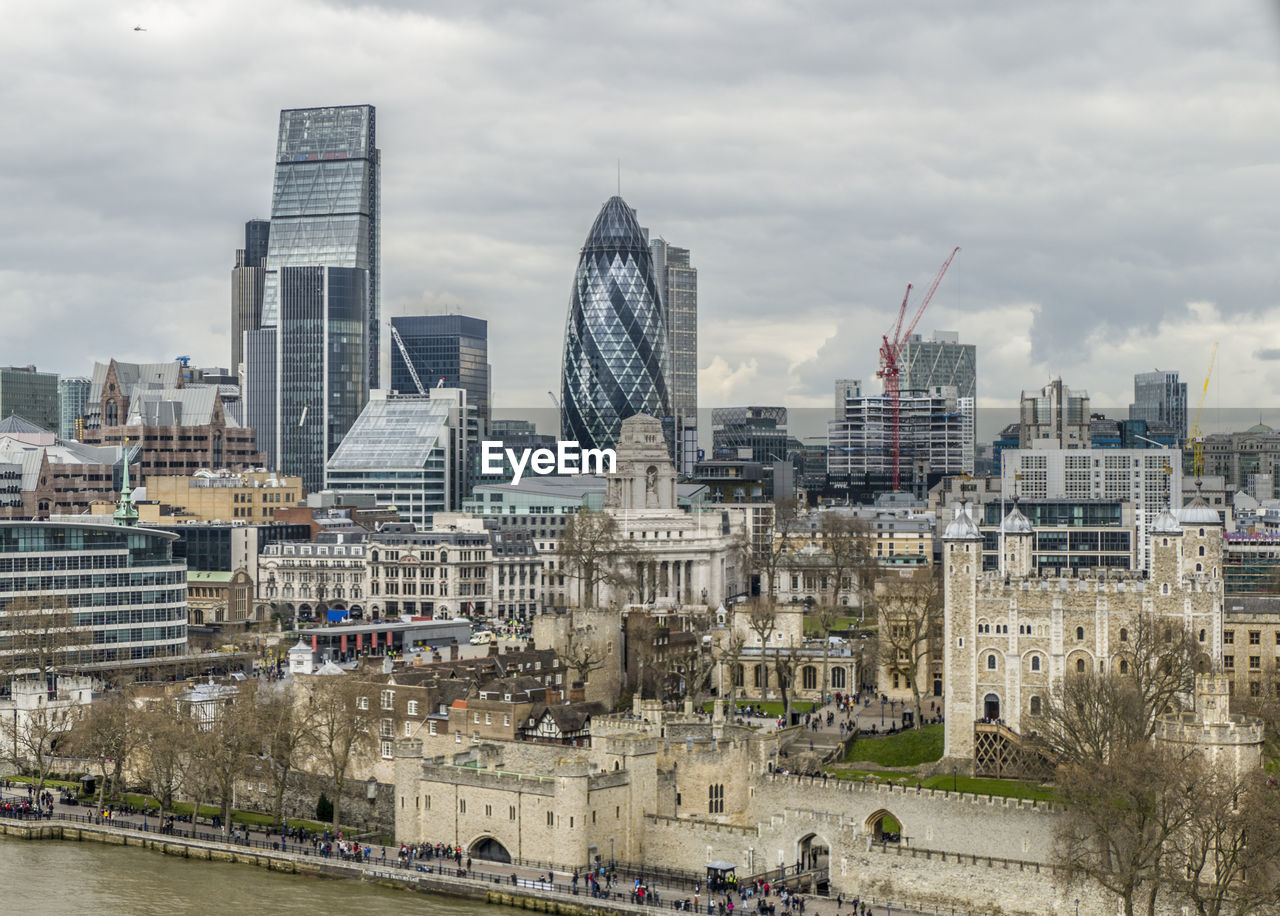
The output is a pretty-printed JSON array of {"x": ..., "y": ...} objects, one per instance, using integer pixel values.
[{"x": 615, "y": 339}]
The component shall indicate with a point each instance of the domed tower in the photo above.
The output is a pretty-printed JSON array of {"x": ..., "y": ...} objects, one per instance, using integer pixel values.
[
  {"x": 1201, "y": 538},
  {"x": 1166, "y": 551},
  {"x": 1017, "y": 539},
  {"x": 962, "y": 564},
  {"x": 615, "y": 339}
]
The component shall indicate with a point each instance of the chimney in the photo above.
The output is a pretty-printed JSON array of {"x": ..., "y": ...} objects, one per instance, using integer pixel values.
[
  {"x": 553, "y": 696},
  {"x": 493, "y": 648},
  {"x": 577, "y": 692},
  {"x": 453, "y": 650}
]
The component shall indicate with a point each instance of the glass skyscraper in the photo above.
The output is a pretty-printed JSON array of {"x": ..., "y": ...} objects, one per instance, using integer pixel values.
[
  {"x": 325, "y": 204},
  {"x": 615, "y": 341},
  {"x": 247, "y": 287},
  {"x": 449, "y": 348},
  {"x": 73, "y": 401},
  {"x": 678, "y": 281},
  {"x": 1159, "y": 397}
]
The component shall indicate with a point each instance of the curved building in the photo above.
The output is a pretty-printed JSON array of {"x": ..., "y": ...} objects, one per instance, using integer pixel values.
[{"x": 615, "y": 339}]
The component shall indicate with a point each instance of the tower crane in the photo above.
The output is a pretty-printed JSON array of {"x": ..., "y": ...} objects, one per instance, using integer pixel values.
[
  {"x": 404, "y": 352},
  {"x": 554, "y": 400},
  {"x": 1197, "y": 436},
  {"x": 890, "y": 350}
]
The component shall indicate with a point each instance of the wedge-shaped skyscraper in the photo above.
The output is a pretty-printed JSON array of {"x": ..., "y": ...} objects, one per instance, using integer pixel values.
[{"x": 615, "y": 339}]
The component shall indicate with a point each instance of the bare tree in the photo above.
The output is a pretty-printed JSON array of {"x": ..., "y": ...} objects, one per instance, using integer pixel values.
[
  {"x": 1090, "y": 714},
  {"x": 106, "y": 732},
  {"x": 581, "y": 655},
  {"x": 225, "y": 746},
  {"x": 592, "y": 550},
  {"x": 776, "y": 555},
  {"x": 731, "y": 652},
  {"x": 1120, "y": 817},
  {"x": 339, "y": 732},
  {"x": 911, "y": 616},
  {"x": 163, "y": 731},
  {"x": 849, "y": 544},
  {"x": 283, "y": 725},
  {"x": 39, "y": 726},
  {"x": 1226, "y": 858},
  {"x": 37, "y": 634}
]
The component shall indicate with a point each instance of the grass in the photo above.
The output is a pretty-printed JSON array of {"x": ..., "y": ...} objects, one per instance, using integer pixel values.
[
  {"x": 1007, "y": 788},
  {"x": 905, "y": 749},
  {"x": 813, "y": 628}
]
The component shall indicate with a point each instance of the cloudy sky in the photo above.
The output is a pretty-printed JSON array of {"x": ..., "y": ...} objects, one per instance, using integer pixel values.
[{"x": 1110, "y": 172}]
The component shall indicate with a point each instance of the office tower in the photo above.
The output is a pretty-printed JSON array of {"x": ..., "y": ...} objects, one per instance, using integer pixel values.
[
  {"x": 935, "y": 436},
  {"x": 1158, "y": 397},
  {"x": 246, "y": 287},
  {"x": 846, "y": 388},
  {"x": 941, "y": 361},
  {"x": 73, "y": 401},
  {"x": 325, "y": 206},
  {"x": 678, "y": 283},
  {"x": 1054, "y": 417},
  {"x": 409, "y": 451},
  {"x": 31, "y": 394},
  {"x": 615, "y": 341},
  {"x": 453, "y": 349}
]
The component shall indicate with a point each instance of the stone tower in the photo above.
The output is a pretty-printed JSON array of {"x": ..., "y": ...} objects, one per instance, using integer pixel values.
[
  {"x": 1017, "y": 539},
  {"x": 645, "y": 478},
  {"x": 962, "y": 564}
]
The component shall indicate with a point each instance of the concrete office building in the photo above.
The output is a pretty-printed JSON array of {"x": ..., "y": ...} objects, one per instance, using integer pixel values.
[
  {"x": 1054, "y": 417},
  {"x": 450, "y": 351},
  {"x": 935, "y": 439},
  {"x": 30, "y": 394}
]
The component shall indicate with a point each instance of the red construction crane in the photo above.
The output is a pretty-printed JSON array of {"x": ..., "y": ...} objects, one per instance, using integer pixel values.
[{"x": 890, "y": 349}]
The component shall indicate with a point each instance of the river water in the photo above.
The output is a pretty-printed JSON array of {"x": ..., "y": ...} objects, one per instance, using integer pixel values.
[{"x": 55, "y": 878}]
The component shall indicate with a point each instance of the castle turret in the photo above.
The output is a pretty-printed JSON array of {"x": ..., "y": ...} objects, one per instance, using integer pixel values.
[
  {"x": 1016, "y": 540},
  {"x": 1202, "y": 538},
  {"x": 1166, "y": 552},
  {"x": 962, "y": 564}
]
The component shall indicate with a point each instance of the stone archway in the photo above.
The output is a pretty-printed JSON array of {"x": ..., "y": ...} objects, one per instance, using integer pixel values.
[
  {"x": 813, "y": 852},
  {"x": 991, "y": 707},
  {"x": 489, "y": 849},
  {"x": 884, "y": 827}
]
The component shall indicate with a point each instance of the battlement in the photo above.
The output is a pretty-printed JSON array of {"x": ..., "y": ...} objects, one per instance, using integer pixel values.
[
  {"x": 491, "y": 779},
  {"x": 810, "y": 785},
  {"x": 1187, "y": 728}
]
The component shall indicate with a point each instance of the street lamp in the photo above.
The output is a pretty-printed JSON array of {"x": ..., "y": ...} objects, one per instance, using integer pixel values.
[
  {"x": 882, "y": 702},
  {"x": 955, "y": 771},
  {"x": 611, "y": 868}
]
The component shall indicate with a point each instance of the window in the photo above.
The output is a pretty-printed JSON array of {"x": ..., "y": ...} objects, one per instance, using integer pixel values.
[
  {"x": 362, "y": 702},
  {"x": 1202, "y": 635},
  {"x": 1079, "y": 634},
  {"x": 837, "y": 678},
  {"x": 1255, "y": 689},
  {"x": 1124, "y": 635},
  {"x": 809, "y": 677},
  {"x": 1228, "y": 637},
  {"x": 1080, "y": 665},
  {"x": 385, "y": 728},
  {"x": 1035, "y": 706},
  {"x": 991, "y": 663},
  {"x": 1255, "y": 637},
  {"x": 1255, "y": 661},
  {"x": 551, "y": 819},
  {"x": 386, "y": 750},
  {"x": 408, "y": 728},
  {"x": 1228, "y": 661},
  {"x": 715, "y": 802},
  {"x": 413, "y": 707},
  {"x": 1124, "y": 666},
  {"x": 431, "y": 728},
  {"x": 1035, "y": 663},
  {"x": 457, "y": 737},
  {"x": 462, "y": 806},
  {"x": 511, "y": 812}
]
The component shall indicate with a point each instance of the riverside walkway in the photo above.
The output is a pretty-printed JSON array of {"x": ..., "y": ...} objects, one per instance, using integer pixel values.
[{"x": 521, "y": 885}]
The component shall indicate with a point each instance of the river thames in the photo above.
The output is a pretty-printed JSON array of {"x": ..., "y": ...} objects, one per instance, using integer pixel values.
[{"x": 54, "y": 878}]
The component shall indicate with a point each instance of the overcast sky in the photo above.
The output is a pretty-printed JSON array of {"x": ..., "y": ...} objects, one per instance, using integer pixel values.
[{"x": 1110, "y": 171}]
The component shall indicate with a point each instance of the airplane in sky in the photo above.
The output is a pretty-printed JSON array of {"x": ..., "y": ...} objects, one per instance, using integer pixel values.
[{"x": 138, "y": 28}]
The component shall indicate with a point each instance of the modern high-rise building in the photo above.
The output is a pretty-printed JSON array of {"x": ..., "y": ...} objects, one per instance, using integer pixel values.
[
  {"x": 615, "y": 341},
  {"x": 31, "y": 394},
  {"x": 940, "y": 361},
  {"x": 452, "y": 350},
  {"x": 1054, "y": 417},
  {"x": 325, "y": 206},
  {"x": 1158, "y": 397},
  {"x": 73, "y": 401},
  {"x": 246, "y": 286},
  {"x": 678, "y": 282}
]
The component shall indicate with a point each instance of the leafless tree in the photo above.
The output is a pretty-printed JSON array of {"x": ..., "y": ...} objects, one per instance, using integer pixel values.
[
  {"x": 910, "y": 620},
  {"x": 1120, "y": 818},
  {"x": 776, "y": 555},
  {"x": 37, "y": 634},
  {"x": 106, "y": 731},
  {"x": 163, "y": 731},
  {"x": 1226, "y": 858},
  {"x": 283, "y": 726},
  {"x": 582, "y": 655},
  {"x": 731, "y": 653},
  {"x": 339, "y": 732},
  {"x": 592, "y": 550}
]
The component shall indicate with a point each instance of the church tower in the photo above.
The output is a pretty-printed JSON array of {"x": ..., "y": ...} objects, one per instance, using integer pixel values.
[{"x": 645, "y": 478}]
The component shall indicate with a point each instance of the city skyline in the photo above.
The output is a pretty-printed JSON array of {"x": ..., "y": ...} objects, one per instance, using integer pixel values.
[{"x": 853, "y": 154}]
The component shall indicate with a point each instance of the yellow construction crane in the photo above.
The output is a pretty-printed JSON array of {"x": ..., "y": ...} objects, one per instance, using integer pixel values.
[{"x": 1197, "y": 437}]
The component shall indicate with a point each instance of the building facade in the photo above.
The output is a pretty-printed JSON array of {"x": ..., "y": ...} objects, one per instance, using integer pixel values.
[
  {"x": 939, "y": 361},
  {"x": 1158, "y": 397},
  {"x": 209, "y": 496},
  {"x": 73, "y": 401},
  {"x": 449, "y": 351},
  {"x": 678, "y": 281},
  {"x": 326, "y": 210},
  {"x": 1054, "y": 417},
  {"x": 615, "y": 347},
  {"x": 30, "y": 394},
  {"x": 247, "y": 279},
  {"x": 935, "y": 439}
]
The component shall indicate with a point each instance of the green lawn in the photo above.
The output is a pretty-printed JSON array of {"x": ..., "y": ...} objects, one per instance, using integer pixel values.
[
  {"x": 905, "y": 749},
  {"x": 1008, "y": 788},
  {"x": 813, "y": 628}
]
